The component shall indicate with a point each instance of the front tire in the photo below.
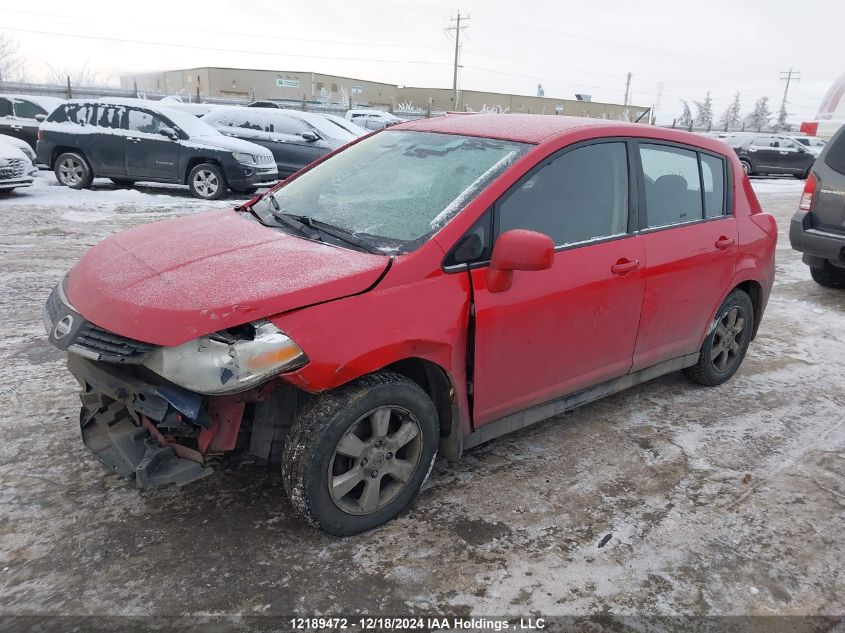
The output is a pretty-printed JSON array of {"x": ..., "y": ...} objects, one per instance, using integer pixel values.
[
  {"x": 358, "y": 455},
  {"x": 72, "y": 170},
  {"x": 828, "y": 276},
  {"x": 724, "y": 348},
  {"x": 207, "y": 182}
]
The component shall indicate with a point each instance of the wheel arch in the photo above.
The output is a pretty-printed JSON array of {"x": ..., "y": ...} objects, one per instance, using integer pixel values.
[
  {"x": 194, "y": 161},
  {"x": 58, "y": 150},
  {"x": 754, "y": 290}
]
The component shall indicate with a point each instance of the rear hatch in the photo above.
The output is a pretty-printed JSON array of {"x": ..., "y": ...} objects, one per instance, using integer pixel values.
[{"x": 827, "y": 208}]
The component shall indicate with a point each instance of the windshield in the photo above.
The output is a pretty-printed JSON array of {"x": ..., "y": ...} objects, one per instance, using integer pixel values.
[{"x": 398, "y": 187}]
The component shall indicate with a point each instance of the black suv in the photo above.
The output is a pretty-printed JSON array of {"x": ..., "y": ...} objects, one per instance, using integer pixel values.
[
  {"x": 126, "y": 141},
  {"x": 20, "y": 115},
  {"x": 772, "y": 154},
  {"x": 818, "y": 229}
]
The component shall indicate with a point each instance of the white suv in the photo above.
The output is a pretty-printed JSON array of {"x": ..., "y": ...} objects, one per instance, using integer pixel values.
[{"x": 16, "y": 168}]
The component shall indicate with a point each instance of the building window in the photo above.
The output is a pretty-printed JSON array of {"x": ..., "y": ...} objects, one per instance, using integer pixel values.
[{"x": 334, "y": 87}]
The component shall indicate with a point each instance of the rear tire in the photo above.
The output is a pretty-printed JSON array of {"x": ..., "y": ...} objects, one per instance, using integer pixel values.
[
  {"x": 746, "y": 167},
  {"x": 72, "y": 170},
  {"x": 357, "y": 456},
  {"x": 828, "y": 276},
  {"x": 207, "y": 182},
  {"x": 725, "y": 346}
]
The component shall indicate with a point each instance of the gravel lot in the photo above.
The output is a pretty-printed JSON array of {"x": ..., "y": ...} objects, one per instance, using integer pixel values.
[{"x": 719, "y": 501}]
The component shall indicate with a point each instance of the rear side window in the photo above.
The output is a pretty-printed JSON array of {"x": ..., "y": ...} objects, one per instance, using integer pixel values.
[
  {"x": 27, "y": 109},
  {"x": 112, "y": 117},
  {"x": 672, "y": 185},
  {"x": 581, "y": 195},
  {"x": 713, "y": 177},
  {"x": 835, "y": 158}
]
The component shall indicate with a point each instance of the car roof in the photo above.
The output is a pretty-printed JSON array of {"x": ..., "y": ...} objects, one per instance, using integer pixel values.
[
  {"x": 46, "y": 102},
  {"x": 536, "y": 128}
]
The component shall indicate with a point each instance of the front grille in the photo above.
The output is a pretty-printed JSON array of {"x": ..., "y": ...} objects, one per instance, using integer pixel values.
[
  {"x": 96, "y": 339},
  {"x": 14, "y": 168},
  {"x": 266, "y": 160}
]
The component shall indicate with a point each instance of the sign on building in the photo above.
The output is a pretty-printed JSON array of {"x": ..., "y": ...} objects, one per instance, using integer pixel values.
[
  {"x": 558, "y": 107},
  {"x": 357, "y": 90},
  {"x": 287, "y": 83}
]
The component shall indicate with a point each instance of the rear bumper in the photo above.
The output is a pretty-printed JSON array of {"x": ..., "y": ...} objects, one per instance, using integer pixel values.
[{"x": 817, "y": 246}]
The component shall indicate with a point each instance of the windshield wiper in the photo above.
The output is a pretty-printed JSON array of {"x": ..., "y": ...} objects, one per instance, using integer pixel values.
[{"x": 339, "y": 233}]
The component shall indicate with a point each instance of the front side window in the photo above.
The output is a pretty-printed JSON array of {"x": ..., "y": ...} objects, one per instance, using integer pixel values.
[
  {"x": 672, "y": 185},
  {"x": 27, "y": 109},
  {"x": 396, "y": 189},
  {"x": 146, "y": 122},
  {"x": 579, "y": 196}
]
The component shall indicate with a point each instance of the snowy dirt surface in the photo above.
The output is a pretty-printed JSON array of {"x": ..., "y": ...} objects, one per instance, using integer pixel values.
[{"x": 719, "y": 501}]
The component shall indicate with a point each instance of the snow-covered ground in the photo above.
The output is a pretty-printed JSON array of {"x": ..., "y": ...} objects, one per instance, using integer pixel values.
[{"x": 719, "y": 501}]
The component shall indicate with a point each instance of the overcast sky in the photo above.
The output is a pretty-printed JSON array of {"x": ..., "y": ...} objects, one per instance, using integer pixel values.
[{"x": 675, "y": 49}]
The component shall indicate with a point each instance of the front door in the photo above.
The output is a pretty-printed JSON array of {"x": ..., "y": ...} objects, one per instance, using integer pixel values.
[
  {"x": 150, "y": 154},
  {"x": 690, "y": 242},
  {"x": 559, "y": 330}
]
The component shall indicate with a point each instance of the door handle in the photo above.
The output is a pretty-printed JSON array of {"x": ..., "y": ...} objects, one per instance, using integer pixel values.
[
  {"x": 725, "y": 242},
  {"x": 134, "y": 139},
  {"x": 624, "y": 266}
]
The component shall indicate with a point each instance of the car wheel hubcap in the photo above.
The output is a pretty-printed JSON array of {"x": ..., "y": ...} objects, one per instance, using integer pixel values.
[
  {"x": 71, "y": 171},
  {"x": 374, "y": 460},
  {"x": 206, "y": 183},
  {"x": 728, "y": 339}
]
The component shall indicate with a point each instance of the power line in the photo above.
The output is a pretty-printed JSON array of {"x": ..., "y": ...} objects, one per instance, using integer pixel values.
[{"x": 122, "y": 40}]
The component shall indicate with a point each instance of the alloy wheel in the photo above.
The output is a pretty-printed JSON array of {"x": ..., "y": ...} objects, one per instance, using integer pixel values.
[
  {"x": 206, "y": 183},
  {"x": 71, "y": 171},
  {"x": 374, "y": 460},
  {"x": 728, "y": 339}
]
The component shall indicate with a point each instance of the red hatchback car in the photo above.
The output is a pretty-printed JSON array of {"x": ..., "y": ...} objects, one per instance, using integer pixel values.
[{"x": 428, "y": 287}]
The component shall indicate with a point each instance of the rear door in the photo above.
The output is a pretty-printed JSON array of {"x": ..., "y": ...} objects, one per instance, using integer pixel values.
[
  {"x": 828, "y": 207},
  {"x": 559, "y": 330},
  {"x": 150, "y": 154},
  {"x": 108, "y": 153},
  {"x": 690, "y": 237},
  {"x": 766, "y": 155}
]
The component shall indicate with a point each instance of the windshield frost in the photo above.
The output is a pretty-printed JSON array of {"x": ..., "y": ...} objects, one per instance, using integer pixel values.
[{"x": 398, "y": 187}]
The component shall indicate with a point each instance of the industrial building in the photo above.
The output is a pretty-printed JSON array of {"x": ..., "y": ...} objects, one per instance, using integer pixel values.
[{"x": 284, "y": 85}]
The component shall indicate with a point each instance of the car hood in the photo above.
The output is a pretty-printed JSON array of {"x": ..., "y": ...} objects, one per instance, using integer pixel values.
[
  {"x": 168, "y": 282},
  {"x": 229, "y": 143}
]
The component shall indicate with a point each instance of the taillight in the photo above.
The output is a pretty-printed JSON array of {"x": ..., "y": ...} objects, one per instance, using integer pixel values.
[
  {"x": 807, "y": 196},
  {"x": 40, "y": 134}
]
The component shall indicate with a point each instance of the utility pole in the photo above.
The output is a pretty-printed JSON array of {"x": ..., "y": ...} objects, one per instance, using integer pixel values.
[
  {"x": 787, "y": 76},
  {"x": 627, "y": 88},
  {"x": 457, "y": 29}
]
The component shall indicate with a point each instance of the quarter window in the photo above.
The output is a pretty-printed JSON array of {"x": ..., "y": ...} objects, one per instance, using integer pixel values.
[
  {"x": 672, "y": 185},
  {"x": 581, "y": 195},
  {"x": 713, "y": 175}
]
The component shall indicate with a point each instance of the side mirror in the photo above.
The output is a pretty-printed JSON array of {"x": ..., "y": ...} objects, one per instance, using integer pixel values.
[
  {"x": 169, "y": 132},
  {"x": 518, "y": 249},
  {"x": 40, "y": 117},
  {"x": 310, "y": 137}
]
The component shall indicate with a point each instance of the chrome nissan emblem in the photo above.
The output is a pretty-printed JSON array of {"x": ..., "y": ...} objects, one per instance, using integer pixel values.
[{"x": 63, "y": 327}]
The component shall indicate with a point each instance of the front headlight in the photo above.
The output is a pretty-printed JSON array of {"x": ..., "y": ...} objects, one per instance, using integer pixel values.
[
  {"x": 221, "y": 363},
  {"x": 249, "y": 159}
]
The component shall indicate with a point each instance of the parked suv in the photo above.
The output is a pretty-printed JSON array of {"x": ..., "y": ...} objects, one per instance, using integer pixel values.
[
  {"x": 351, "y": 325},
  {"x": 818, "y": 228},
  {"x": 295, "y": 138},
  {"x": 130, "y": 140},
  {"x": 16, "y": 168},
  {"x": 373, "y": 119},
  {"x": 771, "y": 154},
  {"x": 20, "y": 115}
]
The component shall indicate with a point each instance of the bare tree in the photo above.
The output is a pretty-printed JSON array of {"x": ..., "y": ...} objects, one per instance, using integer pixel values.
[
  {"x": 12, "y": 67},
  {"x": 78, "y": 77}
]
